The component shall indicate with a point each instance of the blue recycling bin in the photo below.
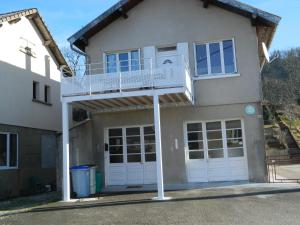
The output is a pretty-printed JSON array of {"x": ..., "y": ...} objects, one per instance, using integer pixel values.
[{"x": 81, "y": 180}]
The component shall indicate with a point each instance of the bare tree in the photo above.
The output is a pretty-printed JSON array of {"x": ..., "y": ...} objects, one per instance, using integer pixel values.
[{"x": 74, "y": 59}]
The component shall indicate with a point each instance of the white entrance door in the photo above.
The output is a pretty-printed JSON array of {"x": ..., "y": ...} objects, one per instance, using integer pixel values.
[
  {"x": 130, "y": 157},
  {"x": 167, "y": 59},
  {"x": 167, "y": 63},
  {"x": 215, "y": 151}
]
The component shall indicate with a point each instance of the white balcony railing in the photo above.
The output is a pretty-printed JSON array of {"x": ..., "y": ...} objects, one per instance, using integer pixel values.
[{"x": 94, "y": 78}]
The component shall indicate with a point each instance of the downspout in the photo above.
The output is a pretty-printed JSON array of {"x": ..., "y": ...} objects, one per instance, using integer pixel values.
[{"x": 87, "y": 58}]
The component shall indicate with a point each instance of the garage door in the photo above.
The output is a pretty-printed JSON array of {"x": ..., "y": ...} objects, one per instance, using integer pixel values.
[
  {"x": 130, "y": 157},
  {"x": 215, "y": 151}
]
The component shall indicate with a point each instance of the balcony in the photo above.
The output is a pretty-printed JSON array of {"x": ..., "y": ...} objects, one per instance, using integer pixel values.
[{"x": 92, "y": 87}]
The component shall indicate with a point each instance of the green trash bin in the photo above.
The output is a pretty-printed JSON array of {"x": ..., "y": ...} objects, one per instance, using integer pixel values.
[{"x": 98, "y": 182}]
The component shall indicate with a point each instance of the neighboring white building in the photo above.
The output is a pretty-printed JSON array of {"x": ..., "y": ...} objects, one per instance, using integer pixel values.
[{"x": 30, "y": 112}]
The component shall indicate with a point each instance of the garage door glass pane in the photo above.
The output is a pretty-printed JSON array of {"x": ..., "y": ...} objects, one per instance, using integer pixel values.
[
  {"x": 3, "y": 150},
  {"x": 196, "y": 155},
  {"x": 149, "y": 130},
  {"x": 196, "y": 145},
  {"x": 115, "y": 132},
  {"x": 116, "y": 159},
  {"x": 234, "y": 135},
  {"x": 216, "y": 153},
  {"x": 134, "y": 158},
  {"x": 234, "y": 143},
  {"x": 133, "y": 140},
  {"x": 116, "y": 141},
  {"x": 213, "y": 126},
  {"x": 214, "y": 134},
  {"x": 115, "y": 145},
  {"x": 214, "y": 140},
  {"x": 236, "y": 152},
  {"x": 195, "y": 141},
  {"x": 134, "y": 149},
  {"x": 194, "y": 127},
  {"x": 149, "y": 148},
  {"x": 133, "y": 131},
  {"x": 215, "y": 144},
  {"x": 150, "y": 157},
  {"x": 116, "y": 149},
  {"x": 233, "y": 124},
  {"x": 195, "y": 136},
  {"x": 149, "y": 139}
]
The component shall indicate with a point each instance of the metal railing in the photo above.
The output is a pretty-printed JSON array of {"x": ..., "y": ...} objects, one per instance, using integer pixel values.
[
  {"x": 127, "y": 75},
  {"x": 278, "y": 167}
]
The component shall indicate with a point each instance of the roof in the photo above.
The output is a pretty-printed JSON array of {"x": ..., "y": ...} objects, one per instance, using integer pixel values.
[
  {"x": 34, "y": 15},
  {"x": 257, "y": 16}
]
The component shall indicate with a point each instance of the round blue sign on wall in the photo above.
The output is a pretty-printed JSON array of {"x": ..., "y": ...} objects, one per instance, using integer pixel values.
[{"x": 250, "y": 110}]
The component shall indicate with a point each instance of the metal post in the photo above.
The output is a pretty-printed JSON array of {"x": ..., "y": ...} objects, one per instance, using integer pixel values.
[
  {"x": 151, "y": 73},
  {"x": 65, "y": 142},
  {"x": 159, "y": 167},
  {"x": 90, "y": 78}
]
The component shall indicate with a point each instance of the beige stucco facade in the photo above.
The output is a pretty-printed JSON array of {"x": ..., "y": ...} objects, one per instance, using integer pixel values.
[{"x": 166, "y": 23}]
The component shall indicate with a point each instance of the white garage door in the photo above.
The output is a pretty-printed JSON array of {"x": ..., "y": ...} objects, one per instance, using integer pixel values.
[
  {"x": 215, "y": 151},
  {"x": 130, "y": 157}
]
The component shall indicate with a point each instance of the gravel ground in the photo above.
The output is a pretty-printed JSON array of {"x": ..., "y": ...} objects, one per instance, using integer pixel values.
[{"x": 236, "y": 205}]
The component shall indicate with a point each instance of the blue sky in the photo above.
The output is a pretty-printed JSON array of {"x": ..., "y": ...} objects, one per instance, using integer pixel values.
[{"x": 64, "y": 17}]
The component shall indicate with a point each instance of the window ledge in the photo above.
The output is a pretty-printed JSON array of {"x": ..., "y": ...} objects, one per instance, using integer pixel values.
[
  {"x": 8, "y": 168},
  {"x": 41, "y": 102},
  {"x": 207, "y": 77}
]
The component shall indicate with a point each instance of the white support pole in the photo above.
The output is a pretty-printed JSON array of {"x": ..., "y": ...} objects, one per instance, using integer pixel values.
[
  {"x": 65, "y": 142},
  {"x": 159, "y": 167}
]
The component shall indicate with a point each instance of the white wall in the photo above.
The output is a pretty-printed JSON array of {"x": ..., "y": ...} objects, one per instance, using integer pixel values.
[{"x": 17, "y": 73}]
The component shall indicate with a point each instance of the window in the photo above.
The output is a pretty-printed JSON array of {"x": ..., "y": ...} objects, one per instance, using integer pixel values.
[
  {"x": 123, "y": 61},
  {"x": 234, "y": 135},
  {"x": 115, "y": 145},
  {"x": 133, "y": 140},
  {"x": 47, "y": 94},
  {"x": 215, "y": 139},
  {"x": 195, "y": 141},
  {"x": 215, "y": 58},
  {"x": 8, "y": 150},
  {"x": 35, "y": 90},
  {"x": 149, "y": 143},
  {"x": 132, "y": 144}
]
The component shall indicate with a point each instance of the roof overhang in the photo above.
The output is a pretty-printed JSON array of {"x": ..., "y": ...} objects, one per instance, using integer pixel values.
[{"x": 33, "y": 15}]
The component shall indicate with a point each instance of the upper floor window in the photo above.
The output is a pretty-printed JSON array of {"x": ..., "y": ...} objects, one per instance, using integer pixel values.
[
  {"x": 8, "y": 150},
  {"x": 35, "y": 90},
  {"x": 215, "y": 58},
  {"x": 47, "y": 94},
  {"x": 123, "y": 61}
]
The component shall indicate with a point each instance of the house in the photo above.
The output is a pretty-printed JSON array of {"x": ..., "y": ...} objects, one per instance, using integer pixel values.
[
  {"x": 174, "y": 93},
  {"x": 30, "y": 114}
]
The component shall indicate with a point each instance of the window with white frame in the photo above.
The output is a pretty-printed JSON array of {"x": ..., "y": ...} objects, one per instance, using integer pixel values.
[
  {"x": 122, "y": 61},
  {"x": 234, "y": 135},
  {"x": 215, "y": 58},
  {"x": 8, "y": 150},
  {"x": 213, "y": 139}
]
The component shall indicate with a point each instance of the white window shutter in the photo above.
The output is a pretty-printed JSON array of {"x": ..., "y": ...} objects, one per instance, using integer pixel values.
[
  {"x": 183, "y": 49},
  {"x": 149, "y": 54}
]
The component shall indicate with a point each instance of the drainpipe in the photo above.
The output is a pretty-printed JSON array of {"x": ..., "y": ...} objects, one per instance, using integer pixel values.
[{"x": 87, "y": 59}]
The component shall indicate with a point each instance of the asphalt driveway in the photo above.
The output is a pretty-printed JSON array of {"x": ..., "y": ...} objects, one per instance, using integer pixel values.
[{"x": 241, "y": 204}]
